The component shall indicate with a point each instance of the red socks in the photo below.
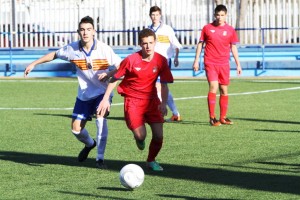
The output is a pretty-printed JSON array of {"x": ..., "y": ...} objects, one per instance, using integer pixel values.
[
  {"x": 154, "y": 148},
  {"x": 223, "y": 106},
  {"x": 211, "y": 101},
  {"x": 223, "y": 102}
]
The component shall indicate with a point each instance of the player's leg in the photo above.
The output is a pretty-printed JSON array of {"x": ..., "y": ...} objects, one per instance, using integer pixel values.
[
  {"x": 223, "y": 102},
  {"x": 155, "y": 119},
  {"x": 80, "y": 117},
  {"x": 155, "y": 146},
  {"x": 224, "y": 105},
  {"x": 101, "y": 134},
  {"x": 213, "y": 84},
  {"x": 171, "y": 104},
  {"x": 140, "y": 136},
  {"x": 134, "y": 110}
]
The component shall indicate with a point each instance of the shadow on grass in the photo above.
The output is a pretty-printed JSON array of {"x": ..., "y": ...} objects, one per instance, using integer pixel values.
[
  {"x": 187, "y": 197},
  {"x": 92, "y": 195},
  {"x": 269, "y": 121},
  {"x": 70, "y": 116},
  {"x": 248, "y": 180},
  {"x": 277, "y": 131},
  {"x": 122, "y": 119}
]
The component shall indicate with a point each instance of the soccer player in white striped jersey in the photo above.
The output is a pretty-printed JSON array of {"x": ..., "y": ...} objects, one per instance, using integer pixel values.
[
  {"x": 166, "y": 43},
  {"x": 93, "y": 60}
]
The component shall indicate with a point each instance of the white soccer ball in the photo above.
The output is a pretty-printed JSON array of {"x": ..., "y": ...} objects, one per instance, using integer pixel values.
[{"x": 132, "y": 176}]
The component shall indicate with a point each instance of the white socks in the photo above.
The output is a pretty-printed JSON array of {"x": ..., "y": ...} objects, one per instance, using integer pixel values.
[
  {"x": 171, "y": 104},
  {"x": 84, "y": 137},
  {"x": 102, "y": 132}
]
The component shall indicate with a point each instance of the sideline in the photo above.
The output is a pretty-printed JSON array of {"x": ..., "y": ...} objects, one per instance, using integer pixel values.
[{"x": 176, "y": 99}]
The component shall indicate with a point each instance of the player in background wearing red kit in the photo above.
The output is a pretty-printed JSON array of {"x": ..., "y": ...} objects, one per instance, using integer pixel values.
[
  {"x": 140, "y": 71},
  {"x": 219, "y": 39}
]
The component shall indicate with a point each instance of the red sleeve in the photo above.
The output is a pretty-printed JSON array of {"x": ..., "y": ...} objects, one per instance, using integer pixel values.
[
  {"x": 202, "y": 36},
  {"x": 165, "y": 74},
  {"x": 122, "y": 69},
  {"x": 234, "y": 38}
]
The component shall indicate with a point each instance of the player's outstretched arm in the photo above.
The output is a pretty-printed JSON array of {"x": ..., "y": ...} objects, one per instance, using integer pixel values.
[
  {"x": 198, "y": 53},
  {"x": 46, "y": 58},
  {"x": 104, "y": 105},
  {"x": 106, "y": 75}
]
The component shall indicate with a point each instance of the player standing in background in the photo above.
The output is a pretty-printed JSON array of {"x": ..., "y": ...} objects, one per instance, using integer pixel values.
[
  {"x": 140, "y": 72},
  {"x": 92, "y": 59},
  {"x": 166, "y": 43},
  {"x": 219, "y": 38}
]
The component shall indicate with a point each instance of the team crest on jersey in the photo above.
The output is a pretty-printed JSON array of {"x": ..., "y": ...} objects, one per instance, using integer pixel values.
[
  {"x": 224, "y": 33},
  {"x": 212, "y": 31},
  {"x": 137, "y": 68},
  {"x": 154, "y": 69}
]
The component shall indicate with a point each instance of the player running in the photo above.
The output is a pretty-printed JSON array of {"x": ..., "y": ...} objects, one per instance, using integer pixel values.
[
  {"x": 140, "y": 71},
  {"x": 92, "y": 59}
]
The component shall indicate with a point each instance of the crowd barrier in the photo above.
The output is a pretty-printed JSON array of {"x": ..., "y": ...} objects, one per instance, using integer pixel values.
[{"x": 256, "y": 60}]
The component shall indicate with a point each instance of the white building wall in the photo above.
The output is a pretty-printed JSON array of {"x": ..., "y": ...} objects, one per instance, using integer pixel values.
[{"x": 267, "y": 21}]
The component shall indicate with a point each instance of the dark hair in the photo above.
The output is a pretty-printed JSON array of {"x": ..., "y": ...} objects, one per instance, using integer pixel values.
[
  {"x": 146, "y": 33},
  {"x": 154, "y": 9},
  {"x": 220, "y": 8},
  {"x": 85, "y": 20}
]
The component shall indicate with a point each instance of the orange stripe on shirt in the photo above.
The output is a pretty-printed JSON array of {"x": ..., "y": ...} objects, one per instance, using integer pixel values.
[
  {"x": 98, "y": 64},
  {"x": 163, "y": 39}
]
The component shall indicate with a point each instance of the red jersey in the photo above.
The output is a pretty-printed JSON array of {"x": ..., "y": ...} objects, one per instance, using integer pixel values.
[
  {"x": 140, "y": 76},
  {"x": 218, "y": 40}
]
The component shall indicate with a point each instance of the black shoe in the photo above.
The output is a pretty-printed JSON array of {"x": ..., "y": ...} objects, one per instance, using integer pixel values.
[
  {"x": 100, "y": 164},
  {"x": 85, "y": 152}
]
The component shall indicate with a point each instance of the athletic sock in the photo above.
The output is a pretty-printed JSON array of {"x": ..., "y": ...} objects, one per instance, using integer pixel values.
[
  {"x": 102, "y": 132},
  {"x": 171, "y": 104},
  {"x": 154, "y": 148},
  {"x": 211, "y": 101},
  {"x": 223, "y": 106},
  {"x": 84, "y": 137}
]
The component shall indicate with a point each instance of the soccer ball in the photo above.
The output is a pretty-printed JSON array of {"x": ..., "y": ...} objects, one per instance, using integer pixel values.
[{"x": 131, "y": 176}]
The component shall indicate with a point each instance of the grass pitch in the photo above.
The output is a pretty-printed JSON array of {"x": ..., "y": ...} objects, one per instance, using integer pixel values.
[{"x": 256, "y": 158}]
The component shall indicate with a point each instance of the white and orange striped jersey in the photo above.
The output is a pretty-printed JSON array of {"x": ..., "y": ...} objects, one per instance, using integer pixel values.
[
  {"x": 166, "y": 40},
  {"x": 89, "y": 65}
]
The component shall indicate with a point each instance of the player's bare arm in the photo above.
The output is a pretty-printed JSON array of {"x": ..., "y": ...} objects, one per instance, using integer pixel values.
[
  {"x": 176, "y": 62},
  {"x": 234, "y": 51},
  {"x": 198, "y": 53},
  {"x": 106, "y": 75},
  {"x": 164, "y": 98},
  {"x": 46, "y": 58}
]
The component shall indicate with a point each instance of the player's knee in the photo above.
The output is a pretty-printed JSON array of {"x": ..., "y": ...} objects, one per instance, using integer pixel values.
[{"x": 75, "y": 132}]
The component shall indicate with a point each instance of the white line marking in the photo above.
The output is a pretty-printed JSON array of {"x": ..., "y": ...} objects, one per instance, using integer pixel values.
[{"x": 183, "y": 98}]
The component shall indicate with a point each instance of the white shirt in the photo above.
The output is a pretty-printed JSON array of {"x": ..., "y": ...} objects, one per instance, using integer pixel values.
[
  {"x": 89, "y": 65},
  {"x": 166, "y": 40}
]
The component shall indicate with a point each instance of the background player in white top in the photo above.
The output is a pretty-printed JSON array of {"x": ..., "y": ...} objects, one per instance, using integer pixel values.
[
  {"x": 93, "y": 60},
  {"x": 166, "y": 43}
]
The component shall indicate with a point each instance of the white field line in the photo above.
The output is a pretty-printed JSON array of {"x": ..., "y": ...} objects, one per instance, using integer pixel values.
[{"x": 177, "y": 99}]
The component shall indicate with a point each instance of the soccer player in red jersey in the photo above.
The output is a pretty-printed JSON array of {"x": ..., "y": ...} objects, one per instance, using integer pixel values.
[
  {"x": 140, "y": 71},
  {"x": 219, "y": 39}
]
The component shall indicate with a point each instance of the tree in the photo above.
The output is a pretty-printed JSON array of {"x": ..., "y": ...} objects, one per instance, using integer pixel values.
[{"x": 241, "y": 17}]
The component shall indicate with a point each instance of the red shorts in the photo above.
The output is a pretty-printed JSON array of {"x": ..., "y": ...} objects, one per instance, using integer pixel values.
[
  {"x": 220, "y": 73},
  {"x": 140, "y": 111}
]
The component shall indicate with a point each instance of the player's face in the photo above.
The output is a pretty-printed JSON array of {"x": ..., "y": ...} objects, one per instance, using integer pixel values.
[
  {"x": 155, "y": 17},
  {"x": 86, "y": 32},
  {"x": 147, "y": 44},
  {"x": 220, "y": 17}
]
